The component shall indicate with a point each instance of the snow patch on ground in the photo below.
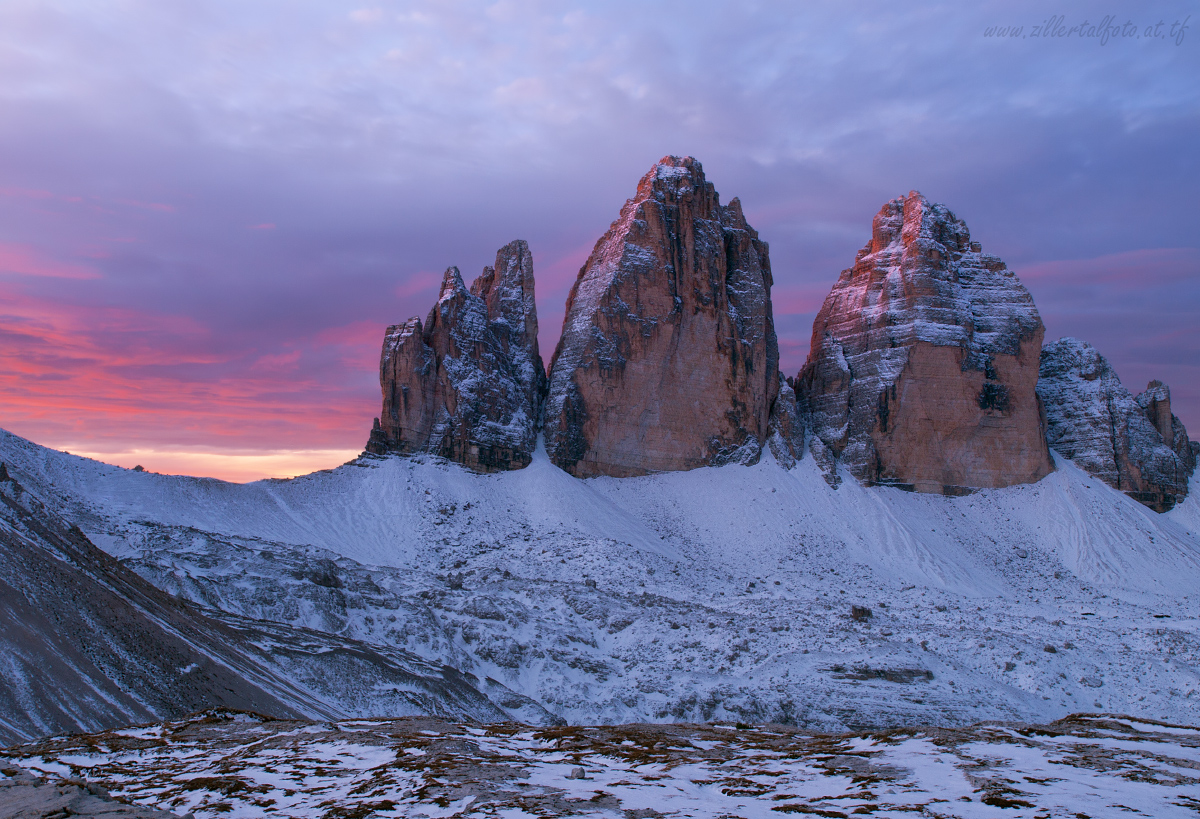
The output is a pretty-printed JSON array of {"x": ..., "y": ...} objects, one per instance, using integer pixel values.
[{"x": 1089, "y": 765}]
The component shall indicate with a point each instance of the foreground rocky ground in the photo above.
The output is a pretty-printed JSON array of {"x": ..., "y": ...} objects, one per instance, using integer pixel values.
[
  {"x": 233, "y": 764},
  {"x": 26, "y": 795}
]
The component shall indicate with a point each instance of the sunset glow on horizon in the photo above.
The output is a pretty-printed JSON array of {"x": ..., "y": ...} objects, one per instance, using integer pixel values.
[{"x": 236, "y": 467}]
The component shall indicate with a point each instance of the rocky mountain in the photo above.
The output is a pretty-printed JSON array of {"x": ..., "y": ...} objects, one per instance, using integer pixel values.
[
  {"x": 1155, "y": 401},
  {"x": 924, "y": 362},
  {"x": 668, "y": 358},
  {"x": 1133, "y": 444},
  {"x": 87, "y": 643},
  {"x": 691, "y": 579},
  {"x": 468, "y": 384},
  {"x": 785, "y": 432}
]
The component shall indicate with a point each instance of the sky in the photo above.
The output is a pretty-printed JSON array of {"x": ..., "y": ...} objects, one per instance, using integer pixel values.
[{"x": 210, "y": 211}]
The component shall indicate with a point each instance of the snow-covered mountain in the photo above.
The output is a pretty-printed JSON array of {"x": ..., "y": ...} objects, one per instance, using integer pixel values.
[
  {"x": 459, "y": 570},
  {"x": 753, "y": 593},
  {"x": 87, "y": 644}
]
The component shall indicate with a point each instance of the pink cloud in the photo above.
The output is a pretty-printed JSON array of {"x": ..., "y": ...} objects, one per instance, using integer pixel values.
[
  {"x": 97, "y": 204},
  {"x": 793, "y": 352},
  {"x": 563, "y": 269},
  {"x": 281, "y": 363},
  {"x": 798, "y": 299},
  {"x": 22, "y": 260},
  {"x": 355, "y": 334},
  {"x": 86, "y": 377},
  {"x": 25, "y": 193},
  {"x": 1139, "y": 308},
  {"x": 417, "y": 284}
]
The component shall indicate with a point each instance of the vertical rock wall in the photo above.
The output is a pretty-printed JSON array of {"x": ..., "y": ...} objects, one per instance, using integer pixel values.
[
  {"x": 923, "y": 372},
  {"x": 668, "y": 358},
  {"x": 1155, "y": 401}
]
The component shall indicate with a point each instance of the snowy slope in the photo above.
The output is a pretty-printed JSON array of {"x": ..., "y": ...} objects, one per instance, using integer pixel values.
[
  {"x": 86, "y": 644},
  {"x": 711, "y": 594}
]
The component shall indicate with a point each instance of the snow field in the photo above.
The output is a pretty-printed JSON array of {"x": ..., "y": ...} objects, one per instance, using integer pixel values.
[{"x": 716, "y": 594}]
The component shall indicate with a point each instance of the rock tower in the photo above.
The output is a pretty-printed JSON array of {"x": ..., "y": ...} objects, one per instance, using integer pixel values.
[{"x": 924, "y": 362}]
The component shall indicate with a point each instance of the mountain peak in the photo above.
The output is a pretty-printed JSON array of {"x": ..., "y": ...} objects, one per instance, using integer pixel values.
[
  {"x": 668, "y": 358},
  {"x": 923, "y": 364},
  {"x": 1133, "y": 444}
]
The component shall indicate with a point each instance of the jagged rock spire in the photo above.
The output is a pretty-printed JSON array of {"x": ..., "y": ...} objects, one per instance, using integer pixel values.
[
  {"x": 1133, "y": 444},
  {"x": 468, "y": 384}
]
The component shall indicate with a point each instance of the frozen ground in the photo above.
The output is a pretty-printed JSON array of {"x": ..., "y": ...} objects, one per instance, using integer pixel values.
[
  {"x": 717, "y": 594},
  {"x": 232, "y": 765}
]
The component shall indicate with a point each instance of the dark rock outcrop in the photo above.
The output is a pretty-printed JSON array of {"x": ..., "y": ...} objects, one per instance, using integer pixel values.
[
  {"x": 924, "y": 362},
  {"x": 1155, "y": 401},
  {"x": 785, "y": 431},
  {"x": 468, "y": 384},
  {"x": 1133, "y": 444},
  {"x": 668, "y": 358}
]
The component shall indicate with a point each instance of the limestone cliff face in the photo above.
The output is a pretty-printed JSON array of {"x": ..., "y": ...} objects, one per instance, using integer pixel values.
[
  {"x": 468, "y": 383},
  {"x": 668, "y": 358},
  {"x": 924, "y": 362},
  {"x": 1133, "y": 444}
]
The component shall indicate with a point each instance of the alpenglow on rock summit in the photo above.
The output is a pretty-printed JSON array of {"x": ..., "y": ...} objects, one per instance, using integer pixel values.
[
  {"x": 668, "y": 358},
  {"x": 924, "y": 362}
]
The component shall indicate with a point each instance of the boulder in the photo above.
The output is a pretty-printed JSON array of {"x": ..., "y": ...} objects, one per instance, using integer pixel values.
[
  {"x": 668, "y": 358},
  {"x": 1132, "y": 444},
  {"x": 467, "y": 385},
  {"x": 924, "y": 362}
]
